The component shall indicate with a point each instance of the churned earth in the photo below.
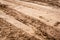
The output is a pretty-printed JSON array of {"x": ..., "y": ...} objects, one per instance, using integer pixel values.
[{"x": 29, "y": 20}]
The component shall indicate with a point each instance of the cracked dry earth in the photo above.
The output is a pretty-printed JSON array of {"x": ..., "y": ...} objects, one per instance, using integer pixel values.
[{"x": 29, "y": 19}]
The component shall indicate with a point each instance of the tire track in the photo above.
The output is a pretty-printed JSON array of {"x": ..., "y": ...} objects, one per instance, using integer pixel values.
[
  {"x": 49, "y": 13},
  {"x": 46, "y": 30},
  {"x": 12, "y": 33},
  {"x": 14, "y": 14},
  {"x": 34, "y": 22}
]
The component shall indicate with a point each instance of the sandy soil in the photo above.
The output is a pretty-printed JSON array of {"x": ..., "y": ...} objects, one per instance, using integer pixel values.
[{"x": 29, "y": 20}]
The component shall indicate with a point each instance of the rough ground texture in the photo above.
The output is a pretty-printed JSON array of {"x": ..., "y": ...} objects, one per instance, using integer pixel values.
[{"x": 29, "y": 20}]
